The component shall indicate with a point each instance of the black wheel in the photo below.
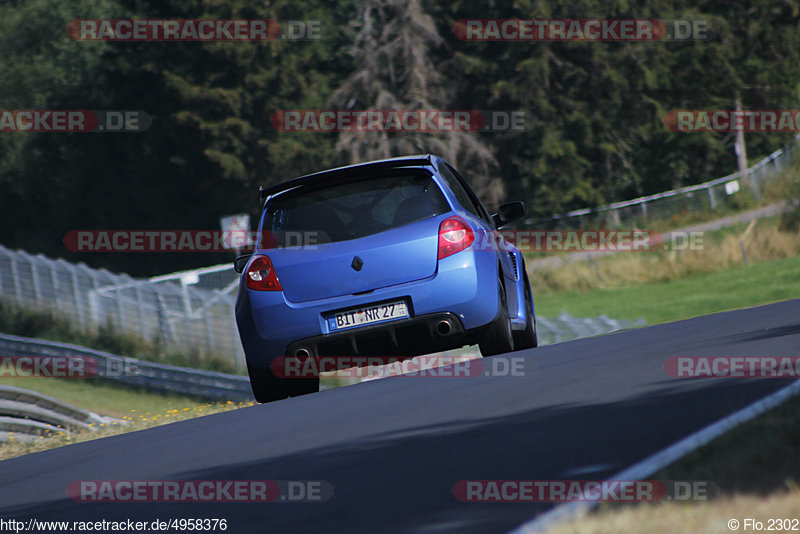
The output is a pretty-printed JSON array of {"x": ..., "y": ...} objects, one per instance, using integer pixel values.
[
  {"x": 527, "y": 339},
  {"x": 266, "y": 386},
  {"x": 497, "y": 338}
]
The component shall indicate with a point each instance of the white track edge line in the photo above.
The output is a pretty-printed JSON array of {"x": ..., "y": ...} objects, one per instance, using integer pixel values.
[{"x": 664, "y": 457}]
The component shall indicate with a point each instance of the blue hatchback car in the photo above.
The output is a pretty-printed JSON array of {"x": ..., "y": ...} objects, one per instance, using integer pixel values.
[{"x": 396, "y": 257}]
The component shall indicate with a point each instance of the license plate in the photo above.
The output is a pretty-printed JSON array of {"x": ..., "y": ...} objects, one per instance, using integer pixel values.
[{"x": 374, "y": 313}]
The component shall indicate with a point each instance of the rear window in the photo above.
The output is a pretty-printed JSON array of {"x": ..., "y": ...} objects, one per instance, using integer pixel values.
[{"x": 351, "y": 210}]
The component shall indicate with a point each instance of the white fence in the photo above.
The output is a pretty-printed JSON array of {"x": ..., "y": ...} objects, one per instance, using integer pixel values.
[
  {"x": 189, "y": 311},
  {"x": 706, "y": 196}
]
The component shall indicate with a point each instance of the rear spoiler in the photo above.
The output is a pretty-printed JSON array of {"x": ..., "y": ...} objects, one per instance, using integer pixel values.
[{"x": 359, "y": 168}]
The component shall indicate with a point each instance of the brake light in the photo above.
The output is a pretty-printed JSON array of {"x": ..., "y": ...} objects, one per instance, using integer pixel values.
[
  {"x": 261, "y": 275},
  {"x": 454, "y": 236}
]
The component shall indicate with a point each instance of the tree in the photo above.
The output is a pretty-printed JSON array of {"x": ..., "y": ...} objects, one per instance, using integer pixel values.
[
  {"x": 210, "y": 144},
  {"x": 395, "y": 68}
]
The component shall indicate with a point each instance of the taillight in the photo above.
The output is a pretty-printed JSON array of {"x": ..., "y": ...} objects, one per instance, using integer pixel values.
[
  {"x": 261, "y": 275},
  {"x": 454, "y": 235}
]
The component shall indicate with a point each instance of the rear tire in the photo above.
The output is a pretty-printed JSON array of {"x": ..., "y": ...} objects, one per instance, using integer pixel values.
[
  {"x": 497, "y": 337},
  {"x": 266, "y": 386},
  {"x": 527, "y": 339}
]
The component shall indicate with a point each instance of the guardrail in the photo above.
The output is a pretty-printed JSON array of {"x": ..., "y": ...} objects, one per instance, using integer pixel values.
[
  {"x": 133, "y": 372},
  {"x": 26, "y": 415}
]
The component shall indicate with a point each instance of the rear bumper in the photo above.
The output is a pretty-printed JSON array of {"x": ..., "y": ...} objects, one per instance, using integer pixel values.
[
  {"x": 404, "y": 337},
  {"x": 463, "y": 291}
]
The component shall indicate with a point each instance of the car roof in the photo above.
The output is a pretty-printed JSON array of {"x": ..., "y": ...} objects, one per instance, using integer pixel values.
[{"x": 417, "y": 161}]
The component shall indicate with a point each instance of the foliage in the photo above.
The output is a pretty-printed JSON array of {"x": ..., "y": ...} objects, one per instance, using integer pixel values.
[{"x": 595, "y": 109}]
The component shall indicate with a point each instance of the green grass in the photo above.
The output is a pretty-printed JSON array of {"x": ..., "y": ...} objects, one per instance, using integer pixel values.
[
  {"x": 135, "y": 420},
  {"x": 756, "y": 467},
  {"x": 139, "y": 408},
  {"x": 105, "y": 398},
  {"x": 691, "y": 296},
  {"x": 758, "y": 457}
]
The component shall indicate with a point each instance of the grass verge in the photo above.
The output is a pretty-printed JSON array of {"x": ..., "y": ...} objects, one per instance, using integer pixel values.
[
  {"x": 674, "y": 518},
  {"x": 138, "y": 407},
  {"x": 742, "y": 244},
  {"x": 682, "y": 298},
  {"x": 756, "y": 466},
  {"x": 103, "y": 397},
  {"x": 135, "y": 419}
]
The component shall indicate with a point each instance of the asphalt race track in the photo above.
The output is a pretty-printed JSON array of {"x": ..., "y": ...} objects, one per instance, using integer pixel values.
[{"x": 392, "y": 449}]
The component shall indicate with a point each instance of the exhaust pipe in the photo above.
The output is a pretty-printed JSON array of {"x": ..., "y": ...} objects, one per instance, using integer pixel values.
[
  {"x": 444, "y": 328},
  {"x": 302, "y": 352}
]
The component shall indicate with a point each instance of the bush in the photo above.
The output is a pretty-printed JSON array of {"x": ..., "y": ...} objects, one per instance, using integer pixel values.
[{"x": 790, "y": 220}]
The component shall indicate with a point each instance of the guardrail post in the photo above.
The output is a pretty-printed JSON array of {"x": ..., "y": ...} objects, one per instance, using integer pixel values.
[
  {"x": 140, "y": 306},
  {"x": 614, "y": 220},
  {"x": 164, "y": 328},
  {"x": 755, "y": 182},
  {"x": 94, "y": 308},
  {"x": 120, "y": 309},
  {"x": 210, "y": 343},
  {"x": 1, "y": 278},
  {"x": 37, "y": 289},
  {"x": 75, "y": 294},
  {"x": 15, "y": 281},
  {"x": 54, "y": 281}
]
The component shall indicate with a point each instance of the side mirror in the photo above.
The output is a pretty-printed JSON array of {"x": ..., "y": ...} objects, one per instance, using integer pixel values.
[
  {"x": 508, "y": 213},
  {"x": 240, "y": 263}
]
